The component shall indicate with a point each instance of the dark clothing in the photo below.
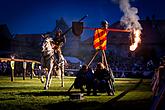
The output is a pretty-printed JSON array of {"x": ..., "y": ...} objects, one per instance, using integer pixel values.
[
  {"x": 158, "y": 101},
  {"x": 80, "y": 80},
  {"x": 102, "y": 80},
  {"x": 89, "y": 81},
  {"x": 59, "y": 40},
  {"x": 102, "y": 74},
  {"x": 84, "y": 78}
]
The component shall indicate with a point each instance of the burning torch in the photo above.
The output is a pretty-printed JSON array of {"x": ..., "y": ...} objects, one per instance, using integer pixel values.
[{"x": 135, "y": 39}]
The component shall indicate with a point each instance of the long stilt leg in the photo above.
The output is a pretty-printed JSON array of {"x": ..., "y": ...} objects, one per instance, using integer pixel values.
[
  {"x": 105, "y": 59},
  {"x": 102, "y": 58}
]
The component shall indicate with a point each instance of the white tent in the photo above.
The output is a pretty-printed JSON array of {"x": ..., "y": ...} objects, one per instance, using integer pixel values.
[{"x": 73, "y": 59}]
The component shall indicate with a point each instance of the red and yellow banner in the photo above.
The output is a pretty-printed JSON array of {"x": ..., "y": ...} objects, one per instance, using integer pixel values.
[{"x": 100, "y": 39}]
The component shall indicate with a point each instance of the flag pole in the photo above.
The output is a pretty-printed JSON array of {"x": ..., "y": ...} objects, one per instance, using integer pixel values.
[{"x": 109, "y": 29}]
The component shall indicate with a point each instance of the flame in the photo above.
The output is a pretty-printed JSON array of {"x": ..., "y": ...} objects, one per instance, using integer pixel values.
[{"x": 137, "y": 39}]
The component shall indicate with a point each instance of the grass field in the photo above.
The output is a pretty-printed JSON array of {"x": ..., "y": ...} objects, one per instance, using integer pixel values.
[{"x": 28, "y": 94}]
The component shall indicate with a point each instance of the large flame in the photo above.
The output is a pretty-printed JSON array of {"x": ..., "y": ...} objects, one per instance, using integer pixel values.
[{"x": 137, "y": 39}]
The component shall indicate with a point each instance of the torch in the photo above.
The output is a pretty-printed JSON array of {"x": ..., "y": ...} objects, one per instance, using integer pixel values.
[{"x": 135, "y": 39}]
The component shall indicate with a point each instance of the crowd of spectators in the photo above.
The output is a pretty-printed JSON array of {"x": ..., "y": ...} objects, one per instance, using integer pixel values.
[
  {"x": 132, "y": 68},
  {"x": 121, "y": 68},
  {"x": 5, "y": 68}
]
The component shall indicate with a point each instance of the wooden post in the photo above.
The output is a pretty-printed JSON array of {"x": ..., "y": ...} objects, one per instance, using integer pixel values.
[
  {"x": 12, "y": 62},
  {"x": 105, "y": 60},
  {"x": 12, "y": 75},
  {"x": 39, "y": 71},
  {"x": 93, "y": 58},
  {"x": 102, "y": 58},
  {"x": 32, "y": 72},
  {"x": 24, "y": 68},
  {"x": 70, "y": 87}
]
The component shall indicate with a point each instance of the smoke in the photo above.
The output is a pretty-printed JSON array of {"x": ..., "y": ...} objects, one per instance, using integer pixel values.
[
  {"x": 130, "y": 17},
  {"x": 130, "y": 21}
]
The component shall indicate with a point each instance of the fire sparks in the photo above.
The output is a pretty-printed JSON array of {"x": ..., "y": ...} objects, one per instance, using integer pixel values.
[{"x": 136, "y": 39}]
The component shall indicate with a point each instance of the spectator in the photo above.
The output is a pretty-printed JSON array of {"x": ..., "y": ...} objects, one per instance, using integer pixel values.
[
  {"x": 89, "y": 80},
  {"x": 1, "y": 68},
  {"x": 102, "y": 80},
  {"x": 84, "y": 78},
  {"x": 158, "y": 87}
]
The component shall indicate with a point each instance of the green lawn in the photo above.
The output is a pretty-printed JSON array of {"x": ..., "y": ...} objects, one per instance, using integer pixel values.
[{"x": 28, "y": 94}]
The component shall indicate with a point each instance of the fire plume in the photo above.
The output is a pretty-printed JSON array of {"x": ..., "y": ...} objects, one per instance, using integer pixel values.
[{"x": 136, "y": 39}]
